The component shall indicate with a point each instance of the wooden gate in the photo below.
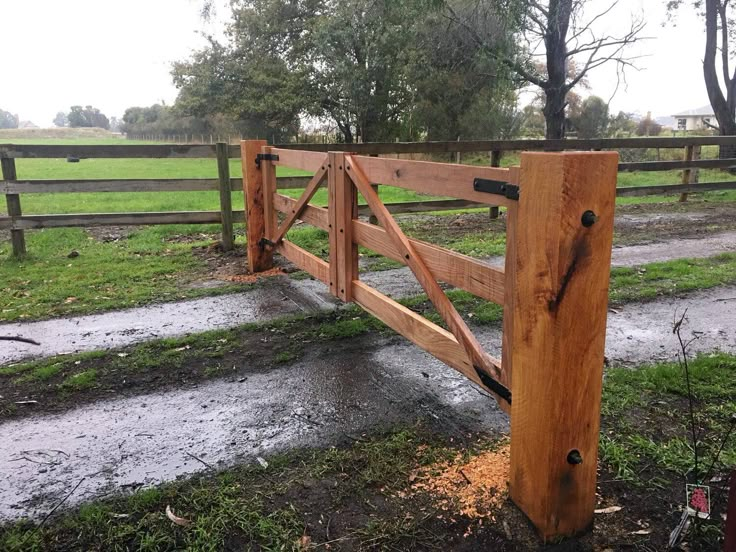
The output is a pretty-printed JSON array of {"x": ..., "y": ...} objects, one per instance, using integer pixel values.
[{"x": 553, "y": 289}]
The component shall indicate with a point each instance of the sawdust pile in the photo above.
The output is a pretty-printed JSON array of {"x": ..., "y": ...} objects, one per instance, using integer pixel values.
[
  {"x": 250, "y": 278},
  {"x": 478, "y": 487}
]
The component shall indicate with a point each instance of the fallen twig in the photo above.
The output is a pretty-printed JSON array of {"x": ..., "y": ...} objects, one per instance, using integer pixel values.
[
  {"x": 198, "y": 459},
  {"x": 465, "y": 477},
  {"x": 19, "y": 338},
  {"x": 63, "y": 500}
]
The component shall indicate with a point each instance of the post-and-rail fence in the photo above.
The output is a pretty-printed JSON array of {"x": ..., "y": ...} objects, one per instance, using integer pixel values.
[{"x": 13, "y": 186}]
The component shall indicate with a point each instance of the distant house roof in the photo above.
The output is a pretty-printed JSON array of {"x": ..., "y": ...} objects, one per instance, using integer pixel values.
[{"x": 705, "y": 111}]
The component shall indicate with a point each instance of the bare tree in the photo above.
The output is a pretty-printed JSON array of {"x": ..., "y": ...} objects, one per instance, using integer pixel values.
[{"x": 558, "y": 35}]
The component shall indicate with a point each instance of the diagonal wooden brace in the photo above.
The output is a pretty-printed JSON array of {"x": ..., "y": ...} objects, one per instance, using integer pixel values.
[
  {"x": 485, "y": 364},
  {"x": 302, "y": 203}
]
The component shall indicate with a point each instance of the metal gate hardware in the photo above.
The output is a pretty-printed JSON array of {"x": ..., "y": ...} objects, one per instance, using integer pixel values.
[
  {"x": 265, "y": 156},
  {"x": 510, "y": 191},
  {"x": 494, "y": 385}
]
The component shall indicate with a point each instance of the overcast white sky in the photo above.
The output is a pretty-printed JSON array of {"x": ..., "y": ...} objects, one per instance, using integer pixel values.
[{"x": 117, "y": 54}]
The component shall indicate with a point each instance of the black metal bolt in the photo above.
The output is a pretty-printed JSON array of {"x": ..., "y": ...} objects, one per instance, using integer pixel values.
[
  {"x": 574, "y": 458},
  {"x": 589, "y": 218}
]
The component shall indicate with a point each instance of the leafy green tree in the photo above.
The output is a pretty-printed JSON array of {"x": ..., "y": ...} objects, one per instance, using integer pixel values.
[
  {"x": 377, "y": 69},
  {"x": 532, "y": 121},
  {"x": 246, "y": 79},
  {"x": 8, "y": 120},
  {"x": 161, "y": 119},
  {"x": 648, "y": 127},
  {"x": 458, "y": 90},
  {"x": 592, "y": 119},
  {"x": 622, "y": 124},
  {"x": 89, "y": 117}
]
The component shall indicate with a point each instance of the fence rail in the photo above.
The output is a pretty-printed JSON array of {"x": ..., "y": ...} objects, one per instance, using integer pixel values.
[{"x": 16, "y": 222}]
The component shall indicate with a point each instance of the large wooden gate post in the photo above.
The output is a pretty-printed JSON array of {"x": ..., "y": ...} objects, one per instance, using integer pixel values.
[
  {"x": 260, "y": 258},
  {"x": 564, "y": 234}
]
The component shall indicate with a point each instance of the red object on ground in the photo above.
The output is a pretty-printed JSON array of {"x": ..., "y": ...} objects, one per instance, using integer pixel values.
[{"x": 730, "y": 544}]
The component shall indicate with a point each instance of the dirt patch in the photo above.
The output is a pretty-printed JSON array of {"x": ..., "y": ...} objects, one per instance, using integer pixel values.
[
  {"x": 110, "y": 234},
  {"x": 646, "y": 223}
]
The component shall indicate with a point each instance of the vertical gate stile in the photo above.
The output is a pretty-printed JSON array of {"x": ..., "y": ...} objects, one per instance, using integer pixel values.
[
  {"x": 269, "y": 188},
  {"x": 346, "y": 209},
  {"x": 260, "y": 258},
  {"x": 512, "y": 214},
  {"x": 332, "y": 222},
  {"x": 563, "y": 239}
]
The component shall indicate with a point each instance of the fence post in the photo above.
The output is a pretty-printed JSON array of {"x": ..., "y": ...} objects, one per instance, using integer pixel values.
[
  {"x": 260, "y": 258},
  {"x": 690, "y": 176},
  {"x": 17, "y": 237},
  {"x": 495, "y": 162},
  {"x": 226, "y": 203},
  {"x": 564, "y": 235}
]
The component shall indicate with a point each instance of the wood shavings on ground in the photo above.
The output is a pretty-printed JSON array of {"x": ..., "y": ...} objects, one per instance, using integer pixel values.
[
  {"x": 476, "y": 488},
  {"x": 251, "y": 278}
]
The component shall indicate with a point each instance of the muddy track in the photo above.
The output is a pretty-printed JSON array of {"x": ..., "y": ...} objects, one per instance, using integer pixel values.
[
  {"x": 277, "y": 297},
  {"x": 336, "y": 392}
]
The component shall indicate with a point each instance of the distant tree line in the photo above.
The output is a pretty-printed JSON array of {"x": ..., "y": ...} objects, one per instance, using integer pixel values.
[
  {"x": 82, "y": 117},
  {"x": 588, "y": 118},
  {"x": 8, "y": 120}
]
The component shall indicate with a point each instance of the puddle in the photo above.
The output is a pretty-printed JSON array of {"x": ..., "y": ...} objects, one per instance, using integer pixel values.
[{"x": 640, "y": 333}]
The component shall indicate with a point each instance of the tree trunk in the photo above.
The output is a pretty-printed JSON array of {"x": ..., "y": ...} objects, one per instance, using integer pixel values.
[
  {"x": 722, "y": 106},
  {"x": 554, "y": 114},
  {"x": 555, "y": 43}
]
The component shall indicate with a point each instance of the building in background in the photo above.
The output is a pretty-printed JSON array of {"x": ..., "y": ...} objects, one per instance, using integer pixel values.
[{"x": 695, "y": 119}]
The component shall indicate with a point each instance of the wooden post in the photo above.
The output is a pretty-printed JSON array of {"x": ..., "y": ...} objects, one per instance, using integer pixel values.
[
  {"x": 564, "y": 235},
  {"x": 344, "y": 208},
  {"x": 260, "y": 258},
  {"x": 17, "y": 237},
  {"x": 226, "y": 204},
  {"x": 372, "y": 218},
  {"x": 495, "y": 162},
  {"x": 690, "y": 176}
]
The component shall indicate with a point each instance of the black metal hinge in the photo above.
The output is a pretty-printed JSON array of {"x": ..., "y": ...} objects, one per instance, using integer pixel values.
[
  {"x": 265, "y": 156},
  {"x": 265, "y": 242},
  {"x": 494, "y": 385},
  {"x": 499, "y": 187}
]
